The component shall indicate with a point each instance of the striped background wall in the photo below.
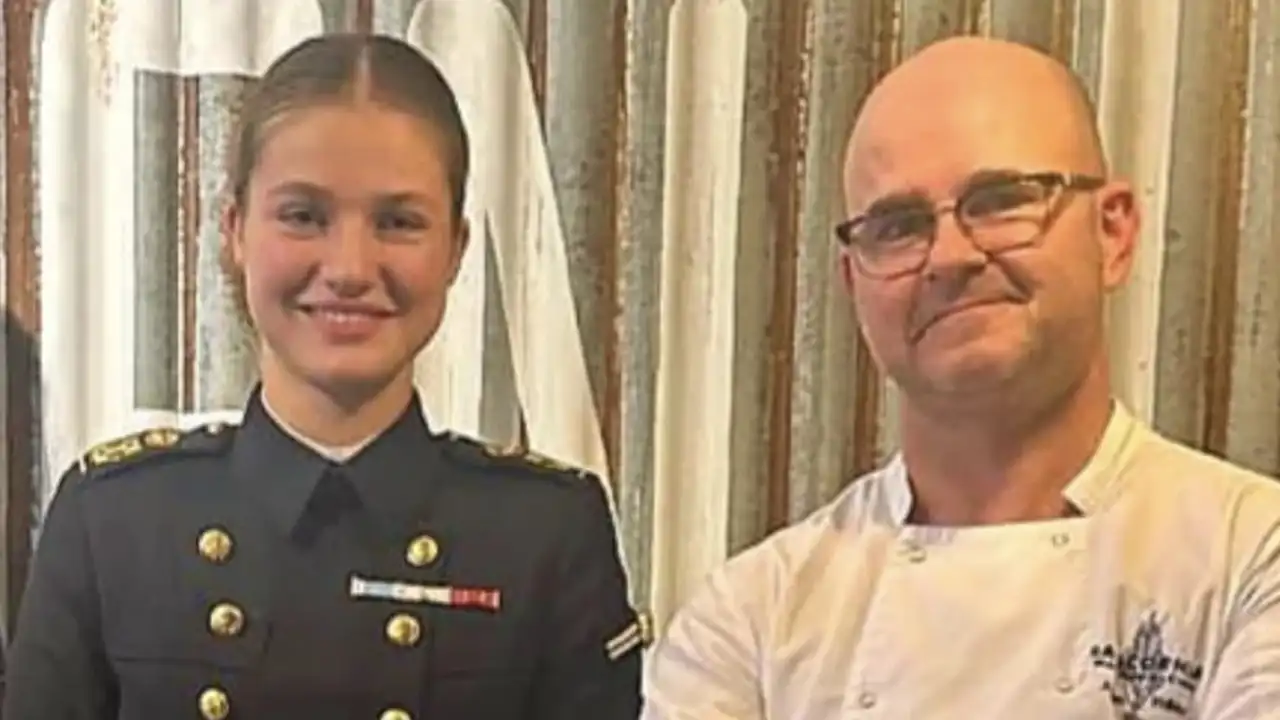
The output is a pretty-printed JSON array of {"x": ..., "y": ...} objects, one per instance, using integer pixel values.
[{"x": 693, "y": 151}]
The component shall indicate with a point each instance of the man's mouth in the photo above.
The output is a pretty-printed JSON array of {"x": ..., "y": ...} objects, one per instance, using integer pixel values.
[{"x": 952, "y": 310}]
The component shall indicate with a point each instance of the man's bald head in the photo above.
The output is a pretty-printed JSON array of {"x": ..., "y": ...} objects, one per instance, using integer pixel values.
[{"x": 978, "y": 86}]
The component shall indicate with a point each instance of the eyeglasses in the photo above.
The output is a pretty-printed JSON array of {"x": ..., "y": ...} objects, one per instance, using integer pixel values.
[{"x": 997, "y": 215}]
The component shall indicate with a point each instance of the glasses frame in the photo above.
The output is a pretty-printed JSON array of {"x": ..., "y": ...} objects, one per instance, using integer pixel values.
[{"x": 1056, "y": 182}]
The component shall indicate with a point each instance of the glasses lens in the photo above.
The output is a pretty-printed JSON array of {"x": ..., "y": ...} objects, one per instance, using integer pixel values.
[
  {"x": 1008, "y": 214},
  {"x": 894, "y": 241}
]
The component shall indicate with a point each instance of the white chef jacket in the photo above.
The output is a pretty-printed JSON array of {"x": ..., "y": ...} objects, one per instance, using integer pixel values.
[{"x": 1162, "y": 600}]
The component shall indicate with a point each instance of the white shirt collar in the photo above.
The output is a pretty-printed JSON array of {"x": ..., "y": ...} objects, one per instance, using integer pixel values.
[
  {"x": 1097, "y": 484},
  {"x": 337, "y": 454}
]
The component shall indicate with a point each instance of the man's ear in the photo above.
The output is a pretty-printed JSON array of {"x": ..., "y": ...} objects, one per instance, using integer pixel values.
[
  {"x": 844, "y": 259},
  {"x": 1119, "y": 223}
]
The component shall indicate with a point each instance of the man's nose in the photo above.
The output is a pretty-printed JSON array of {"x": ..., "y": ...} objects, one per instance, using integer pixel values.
[{"x": 953, "y": 247}]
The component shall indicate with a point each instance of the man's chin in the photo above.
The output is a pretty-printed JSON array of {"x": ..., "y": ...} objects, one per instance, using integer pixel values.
[{"x": 971, "y": 374}]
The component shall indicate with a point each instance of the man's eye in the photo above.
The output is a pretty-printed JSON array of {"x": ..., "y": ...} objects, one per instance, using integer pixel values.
[
  {"x": 1003, "y": 200},
  {"x": 897, "y": 227}
]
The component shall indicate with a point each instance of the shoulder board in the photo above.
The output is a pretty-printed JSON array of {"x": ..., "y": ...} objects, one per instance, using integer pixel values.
[
  {"x": 513, "y": 456},
  {"x": 133, "y": 448}
]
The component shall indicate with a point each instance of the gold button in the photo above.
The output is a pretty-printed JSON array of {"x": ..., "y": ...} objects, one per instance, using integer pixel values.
[
  {"x": 215, "y": 545},
  {"x": 226, "y": 620},
  {"x": 423, "y": 550},
  {"x": 404, "y": 630},
  {"x": 395, "y": 714},
  {"x": 214, "y": 704}
]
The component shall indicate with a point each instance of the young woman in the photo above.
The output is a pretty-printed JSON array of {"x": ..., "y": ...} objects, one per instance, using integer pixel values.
[{"x": 331, "y": 557}]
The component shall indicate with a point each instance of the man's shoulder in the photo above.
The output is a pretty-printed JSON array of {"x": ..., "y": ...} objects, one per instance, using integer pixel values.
[
  {"x": 866, "y": 502},
  {"x": 1194, "y": 470},
  {"x": 744, "y": 595},
  {"x": 1176, "y": 480}
]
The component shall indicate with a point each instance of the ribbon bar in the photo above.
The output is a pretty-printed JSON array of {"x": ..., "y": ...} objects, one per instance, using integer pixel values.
[{"x": 443, "y": 595}]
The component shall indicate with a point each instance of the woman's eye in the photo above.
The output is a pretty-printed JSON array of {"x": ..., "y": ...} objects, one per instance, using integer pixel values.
[
  {"x": 400, "y": 222},
  {"x": 300, "y": 217}
]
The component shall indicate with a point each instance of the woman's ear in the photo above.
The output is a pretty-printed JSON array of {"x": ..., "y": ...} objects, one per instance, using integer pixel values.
[
  {"x": 230, "y": 226},
  {"x": 461, "y": 241}
]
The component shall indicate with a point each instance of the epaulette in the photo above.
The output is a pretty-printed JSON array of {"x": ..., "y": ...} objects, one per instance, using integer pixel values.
[
  {"x": 129, "y": 450},
  {"x": 492, "y": 453}
]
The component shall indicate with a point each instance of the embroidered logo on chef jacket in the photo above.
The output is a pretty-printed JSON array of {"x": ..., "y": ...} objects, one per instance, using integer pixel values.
[{"x": 1147, "y": 677}]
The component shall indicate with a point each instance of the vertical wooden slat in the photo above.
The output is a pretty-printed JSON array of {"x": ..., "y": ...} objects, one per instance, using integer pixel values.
[
  {"x": 926, "y": 21},
  {"x": 1062, "y": 44},
  {"x": 643, "y": 106},
  {"x": 157, "y": 306},
  {"x": 609, "y": 312},
  {"x": 337, "y": 15},
  {"x": 1226, "y": 228},
  {"x": 5, "y": 332},
  {"x": 1253, "y": 432},
  {"x": 1198, "y": 277},
  {"x": 767, "y": 235},
  {"x": 1046, "y": 25},
  {"x": 791, "y": 76},
  {"x": 363, "y": 16},
  {"x": 189, "y": 231},
  {"x": 391, "y": 17},
  {"x": 583, "y": 123},
  {"x": 226, "y": 358},
  {"x": 1088, "y": 18},
  {"x": 22, "y": 299}
]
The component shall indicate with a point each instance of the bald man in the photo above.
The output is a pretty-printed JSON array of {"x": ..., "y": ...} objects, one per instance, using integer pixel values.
[{"x": 1034, "y": 551}]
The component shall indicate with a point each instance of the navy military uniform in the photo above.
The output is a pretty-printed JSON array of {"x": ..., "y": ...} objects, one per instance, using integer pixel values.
[{"x": 234, "y": 573}]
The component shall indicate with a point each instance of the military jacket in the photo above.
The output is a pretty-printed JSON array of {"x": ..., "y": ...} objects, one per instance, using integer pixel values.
[{"x": 231, "y": 573}]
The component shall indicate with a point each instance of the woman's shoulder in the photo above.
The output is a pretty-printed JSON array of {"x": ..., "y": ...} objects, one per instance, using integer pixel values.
[
  {"x": 519, "y": 474},
  {"x": 513, "y": 461},
  {"x": 165, "y": 449}
]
